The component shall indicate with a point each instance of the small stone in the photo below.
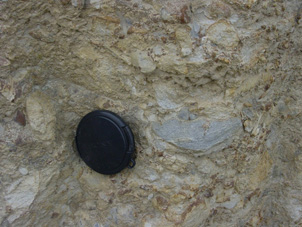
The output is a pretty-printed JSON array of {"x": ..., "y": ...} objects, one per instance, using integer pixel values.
[
  {"x": 164, "y": 14},
  {"x": 192, "y": 117},
  {"x": 173, "y": 64},
  {"x": 255, "y": 131},
  {"x": 78, "y": 3},
  {"x": 223, "y": 34},
  {"x": 232, "y": 203},
  {"x": 87, "y": 52},
  {"x": 184, "y": 17},
  {"x": 243, "y": 3},
  {"x": 21, "y": 194},
  {"x": 94, "y": 181},
  {"x": 157, "y": 50},
  {"x": 160, "y": 203},
  {"x": 248, "y": 126},
  {"x": 65, "y": 2},
  {"x": 150, "y": 196},
  {"x": 1, "y": 130},
  {"x": 184, "y": 38},
  {"x": 23, "y": 171},
  {"x": 8, "y": 89},
  {"x": 184, "y": 114},
  {"x": 147, "y": 173},
  {"x": 198, "y": 135},
  {"x": 42, "y": 34},
  {"x": 95, "y": 3},
  {"x": 248, "y": 112},
  {"x": 41, "y": 115},
  {"x": 148, "y": 151},
  {"x": 20, "y": 118},
  {"x": 218, "y": 9},
  {"x": 4, "y": 61},
  {"x": 165, "y": 96},
  {"x": 143, "y": 61}
]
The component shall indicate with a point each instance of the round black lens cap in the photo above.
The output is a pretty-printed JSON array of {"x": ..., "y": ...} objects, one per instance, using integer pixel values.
[{"x": 105, "y": 142}]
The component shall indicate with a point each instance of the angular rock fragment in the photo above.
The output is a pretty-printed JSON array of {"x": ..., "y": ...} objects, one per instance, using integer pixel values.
[
  {"x": 242, "y": 3},
  {"x": 165, "y": 96},
  {"x": 20, "y": 118},
  {"x": 41, "y": 115},
  {"x": 21, "y": 194},
  {"x": 184, "y": 39},
  {"x": 173, "y": 64},
  {"x": 223, "y": 34},
  {"x": 143, "y": 61},
  {"x": 198, "y": 135},
  {"x": 8, "y": 89},
  {"x": 4, "y": 61},
  {"x": 218, "y": 9}
]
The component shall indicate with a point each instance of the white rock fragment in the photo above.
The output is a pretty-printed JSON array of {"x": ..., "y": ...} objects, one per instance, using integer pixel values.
[
  {"x": 150, "y": 196},
  {"x": 164, "y": 96},
  {"x": 4, "y": 61},
  {"x": 23, "y": 171},
  {"x": 21, "y": 195},
  {"x": 74, "y": 3},
  {"x": 41, "y": 115},
  {"x": 8, "y": 89},
  {"x": 157, "y": 50},
  {"x": 164, "y": 14},
  {"x": 95, "y": 4},
  {"x": 234, "y": 200},
  {"x": 147, "y": 173},
  {"x": 143, "y": 61}
]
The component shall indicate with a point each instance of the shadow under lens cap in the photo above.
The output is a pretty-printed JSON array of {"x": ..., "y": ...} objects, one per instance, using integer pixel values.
[{"x": 105, "y": 142}]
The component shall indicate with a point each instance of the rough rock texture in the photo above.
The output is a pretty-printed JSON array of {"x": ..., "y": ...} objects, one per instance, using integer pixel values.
[
  {"x": 199, "y": 135},
  {"x": 211, "y": 89}
]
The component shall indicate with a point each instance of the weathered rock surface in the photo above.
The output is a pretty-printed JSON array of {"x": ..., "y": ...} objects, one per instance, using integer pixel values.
[
  {"x": 41, "y": 115},
  {"x": 223, "y": 34},
  {"x": 21, "y": 194},
  {"x": 211, "y": 90},
  {"x": 143, "y": 61},
  {"x": 199, "y": 135}
]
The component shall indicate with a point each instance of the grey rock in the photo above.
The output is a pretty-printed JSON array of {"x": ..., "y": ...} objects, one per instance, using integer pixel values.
[
  {"x": 23, "y": 171},
  {"x": 184, "y": 114},
  {"x": 1, "y": 131},
  {"x": 248, "y": 112},
  {"x": 192, "y": 116},
  {"x": 234, "y": 200},
  {"x": 165, "y": 97},
  {"x": 198, "y": 135},
  {"x": 4, "y": 61}
]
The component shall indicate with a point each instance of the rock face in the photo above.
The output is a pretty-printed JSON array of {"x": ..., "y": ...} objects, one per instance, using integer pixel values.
[
  {"x": 211, "y": 90},
  {"x": 41, "y": 115},
  {"x": 143, "y": 61},
  {"x": 223, "y": 34},
  {"x": 21, "y": 194},
  {"x": 199, "y": 135}
]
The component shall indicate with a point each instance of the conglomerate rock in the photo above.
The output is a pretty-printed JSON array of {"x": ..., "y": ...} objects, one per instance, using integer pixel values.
[{"x": 211, "y": 90}]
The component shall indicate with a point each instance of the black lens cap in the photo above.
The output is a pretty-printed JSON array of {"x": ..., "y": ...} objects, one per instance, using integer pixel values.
[{"x": 105, "y": 142}]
